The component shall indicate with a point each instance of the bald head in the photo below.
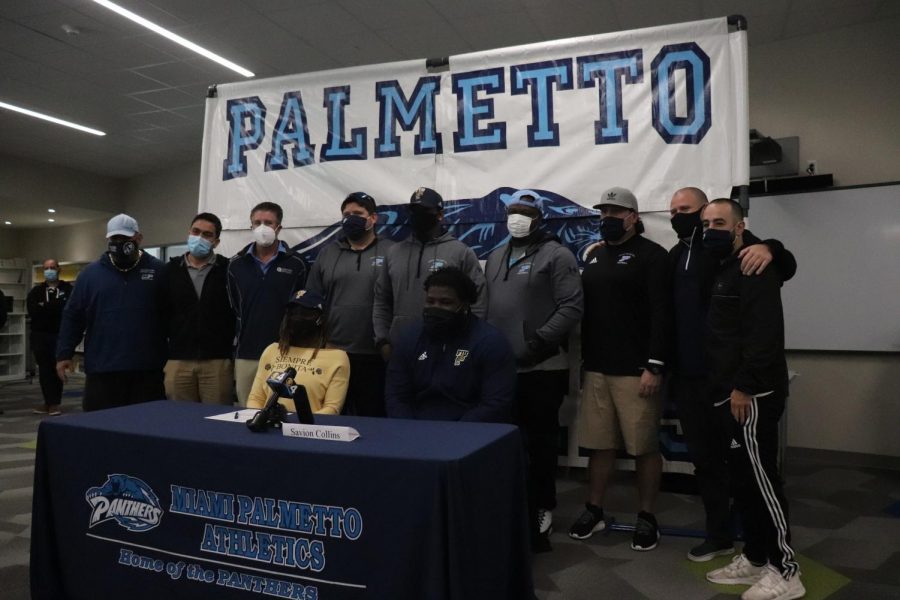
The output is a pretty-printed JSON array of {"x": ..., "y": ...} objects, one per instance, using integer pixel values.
[{"x": 687, "y": 200}]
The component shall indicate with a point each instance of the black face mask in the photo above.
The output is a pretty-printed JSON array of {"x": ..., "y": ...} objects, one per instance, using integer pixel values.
[
  {"x": 441, "y": 323},
  {"x": 612, "y": 228},
  {"x": 125, "y": 252},
  {"x": 687, "y": 224},
  {"x": 718, "y": 243},
  {"x": 354, "y": 227},
  {"x": 422, "y": 222}
]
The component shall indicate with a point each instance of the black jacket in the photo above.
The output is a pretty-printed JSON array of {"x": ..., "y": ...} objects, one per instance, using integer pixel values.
[
  {"x": 45, "y": 307},
  {"x": 745, "y": 334},
  {"x": 692, "y": 272},
  {"x": 259, "y": 299},
  {"x": 197, "y": 328},
  {"x": 626, "y": 307}
]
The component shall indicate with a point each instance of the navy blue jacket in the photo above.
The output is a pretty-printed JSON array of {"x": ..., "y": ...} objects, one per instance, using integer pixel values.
[
  {"x": 118, "y": 315},
  {"x": 470, "y": 376},
  {"x": 259, "y": 299}
]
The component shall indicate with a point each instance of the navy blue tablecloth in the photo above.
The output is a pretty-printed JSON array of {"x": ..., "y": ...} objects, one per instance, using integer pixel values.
[{"x": 154, "y": 501}]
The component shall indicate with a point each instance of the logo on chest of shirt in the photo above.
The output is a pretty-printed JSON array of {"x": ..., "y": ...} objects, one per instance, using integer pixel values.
[
  {"x": 436, "y": 263},
  {"x": 377, "y": 261},
  {"x": 148, "y": 274},
  {"x": 624, "y": 258},
  {"x": 524, "y": 269},
  {"x": 424, "y": 356},
  {"x": 284, "y": 270},
  {"x": 461, "y": 356}
]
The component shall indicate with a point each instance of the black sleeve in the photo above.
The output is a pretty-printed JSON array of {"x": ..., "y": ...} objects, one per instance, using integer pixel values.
[
  {"x": 658, "y": 296},
  {"x": 31, "y": 302},
  {"x": 762, "y": 332},
  {"x": 782, "y": 258}
]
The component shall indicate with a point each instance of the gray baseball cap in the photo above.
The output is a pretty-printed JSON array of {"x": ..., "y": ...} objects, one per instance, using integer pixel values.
[
  {"x": 122, "y": 224},
  {"x": 618, "y": 196}
]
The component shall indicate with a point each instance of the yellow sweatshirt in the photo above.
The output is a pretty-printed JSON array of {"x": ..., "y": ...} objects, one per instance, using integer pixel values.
[{"x": 325, "y": 377}]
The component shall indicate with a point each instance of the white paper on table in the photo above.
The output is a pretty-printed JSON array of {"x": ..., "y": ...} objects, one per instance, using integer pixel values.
[{"x": 235, "y": 416}]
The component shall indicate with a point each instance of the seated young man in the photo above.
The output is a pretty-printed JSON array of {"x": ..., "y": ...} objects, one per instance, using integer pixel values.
[{"x": 450, "y": 365}]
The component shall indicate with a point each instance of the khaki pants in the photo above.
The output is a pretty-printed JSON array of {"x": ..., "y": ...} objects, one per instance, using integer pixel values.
[
  {"x": 244, "y": 372},
  {"x": 207, "y": 381}
]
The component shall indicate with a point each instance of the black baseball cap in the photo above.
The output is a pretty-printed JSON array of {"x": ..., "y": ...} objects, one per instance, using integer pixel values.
[
  {"x": 308, "y": 299},
  {"x": 361, "y": 198},
  {"x": 426, "y": 198}
]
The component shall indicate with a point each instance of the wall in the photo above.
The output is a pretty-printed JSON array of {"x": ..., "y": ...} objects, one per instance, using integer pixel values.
[
  {"x": 82, "y": 242},
  {"x": 164, "y": 203},
  {"x": 844, "y": 401},
  {"x": 27, "y": 179},
  {"x": 839, "y": 92}
]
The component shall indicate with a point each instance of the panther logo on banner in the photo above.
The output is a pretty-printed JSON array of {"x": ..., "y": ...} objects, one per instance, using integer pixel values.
[{"x": 131, "y": 502}]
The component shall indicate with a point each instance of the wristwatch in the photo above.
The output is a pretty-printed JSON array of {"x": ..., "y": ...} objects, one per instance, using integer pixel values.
[{"x": 654, "y": 368}]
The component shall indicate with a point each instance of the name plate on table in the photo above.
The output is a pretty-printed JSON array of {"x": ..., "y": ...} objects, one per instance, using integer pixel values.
[{"x": 319, "y": 432}]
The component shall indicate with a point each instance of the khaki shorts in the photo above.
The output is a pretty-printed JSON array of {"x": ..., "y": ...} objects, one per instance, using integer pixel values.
[{"x": 612, "y": 411}]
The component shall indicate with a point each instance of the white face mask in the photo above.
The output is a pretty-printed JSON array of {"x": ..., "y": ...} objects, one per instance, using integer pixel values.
[
  {"x": 264, "y": 235},
  {"x": 519, "y": 225}
]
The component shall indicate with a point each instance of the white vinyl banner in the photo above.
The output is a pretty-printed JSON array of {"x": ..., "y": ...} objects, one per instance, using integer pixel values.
[{"x": 652, "y": 110}]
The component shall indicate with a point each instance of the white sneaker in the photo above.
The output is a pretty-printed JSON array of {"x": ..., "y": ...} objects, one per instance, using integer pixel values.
[
  {"x": 773, "y": 586},
  {"x": 739, "y": 571},
  {"x": 545, "y": 521}
]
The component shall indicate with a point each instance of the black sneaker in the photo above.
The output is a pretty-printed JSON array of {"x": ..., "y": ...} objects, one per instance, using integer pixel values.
[
  {"x": 709, "y": 549},
  {"x": 646, "y": 533},
  {"x": 590, "y": 522}
]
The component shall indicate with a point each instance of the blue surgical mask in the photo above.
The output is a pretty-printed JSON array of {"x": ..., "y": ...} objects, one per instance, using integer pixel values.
[
  {"x": 198, "y": 246},
  {"x": 51, "y": 274}
]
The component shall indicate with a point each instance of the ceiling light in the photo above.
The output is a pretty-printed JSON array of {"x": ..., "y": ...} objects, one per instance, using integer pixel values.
[
  {"x": 174, "y": 37},
  {"x": 8, "y": 222},
  {"x": 51, "y": 220},
  {"x": 51, "y": 210},
  {"x": 38, "y": 115}
]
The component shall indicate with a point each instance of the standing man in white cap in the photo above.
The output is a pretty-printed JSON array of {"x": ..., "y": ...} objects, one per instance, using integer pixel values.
[
  {"x": 535, "y": 299},
  {"x": 624, "y": 341},
  {"x": 114, "y": 306}
]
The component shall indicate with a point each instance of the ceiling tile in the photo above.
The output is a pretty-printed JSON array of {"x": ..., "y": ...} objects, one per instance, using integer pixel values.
[
  {"x": 158, "y": 118},
  {"x": 129, "y": 53},
  {"x": 395, "y": 14},
  {"x": 469, "y": 9},
  {"x": 167, "y": 98},
  {"x": 90, "y": 30},
  {"x": 493, "y": 31},
  {"x": 17, "y": 9},
  {"x": 174, "y": 74},
  {"x": 636, "y": 15},
  {"x": 425, "y": 42}
]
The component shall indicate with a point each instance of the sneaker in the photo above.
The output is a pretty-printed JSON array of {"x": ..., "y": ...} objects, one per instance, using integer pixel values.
[
  {"x": 545, "y": 521},
  {"x": 646, "y": 534},
  {"x": 708, "y": 550},
  {"x": 40, "y": 411},
  {"x": 739, "y": 571},
  {"x": 773, "y": 586},
  {"x": 54, "y": 412},
  {"x": 590, "y": 522}
]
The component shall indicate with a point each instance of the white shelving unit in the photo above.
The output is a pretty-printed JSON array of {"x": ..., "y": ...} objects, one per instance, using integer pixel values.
[{"x": 15, "y": 281}]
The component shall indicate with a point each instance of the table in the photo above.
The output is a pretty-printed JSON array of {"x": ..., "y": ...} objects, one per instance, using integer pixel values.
[{"x": 154, "y": 501}]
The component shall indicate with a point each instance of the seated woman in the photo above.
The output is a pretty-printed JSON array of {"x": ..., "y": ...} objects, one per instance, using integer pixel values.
[{"x": 324, "y": 372}]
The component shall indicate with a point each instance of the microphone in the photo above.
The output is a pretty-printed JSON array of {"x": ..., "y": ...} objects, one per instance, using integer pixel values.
[{"x": 282, "y": 386}]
